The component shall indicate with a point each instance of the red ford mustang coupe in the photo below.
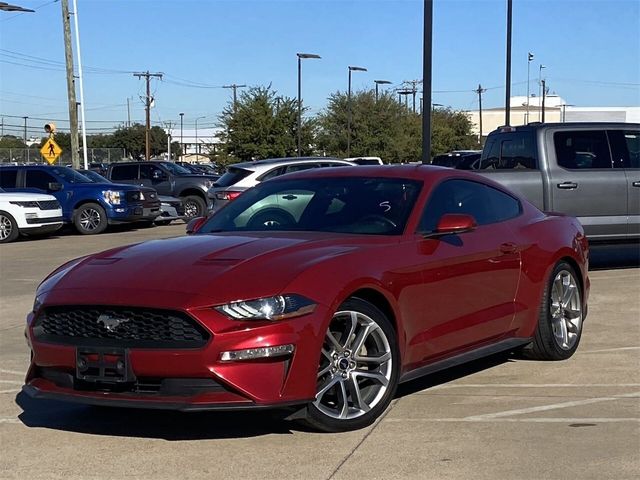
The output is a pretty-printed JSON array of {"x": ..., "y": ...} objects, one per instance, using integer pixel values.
[{"x": 318, "y": 291}]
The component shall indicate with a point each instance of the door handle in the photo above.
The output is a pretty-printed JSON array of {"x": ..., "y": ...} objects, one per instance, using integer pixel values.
[
  {"x": 508, "y": 247},
  {"x": 568, "y": 185},
  {"x": 636, "y": 184},
  {"x": 289, "y": 197}
]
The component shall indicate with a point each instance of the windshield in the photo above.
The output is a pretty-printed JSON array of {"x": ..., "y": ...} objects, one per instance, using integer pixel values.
[
  {"x": 70, "y": 175},
  {"x": 359, "y": 205},
  {"x": 94, "y": 176},
  {"x": 176, "y": 169}
]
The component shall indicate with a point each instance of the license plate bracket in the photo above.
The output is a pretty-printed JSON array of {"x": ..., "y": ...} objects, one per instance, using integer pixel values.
[{"x": 104, "y": 365}]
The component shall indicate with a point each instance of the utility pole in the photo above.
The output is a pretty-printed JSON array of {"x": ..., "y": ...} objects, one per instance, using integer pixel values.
[
  {"x": 480, "y": 91},
  {"x": 427, "y": 48},
  {"x": 529, "y": 59},
  {"x": 181, "y": 140},
  {"x": 25, "y": 130},
  {"x": 414, "y": 83},
  {"x": 507, "y": 101},
  {"x": 147, "y": 105},
  {"x": 235, "y": 98},
  {"x": 128, "y": 113},
  {"x": 544, "y": 94},
  {"x": 169, "y": 126},
  {"x": 71, "y": 86}
]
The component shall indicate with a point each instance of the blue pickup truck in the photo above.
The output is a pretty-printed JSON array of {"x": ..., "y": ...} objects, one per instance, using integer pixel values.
[{"x": 89, "y": 206}]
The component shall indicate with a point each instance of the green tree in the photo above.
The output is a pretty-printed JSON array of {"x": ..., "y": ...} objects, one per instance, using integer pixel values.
[
  {"x": 10, "y": 141},
  {"x": 132, "y": 139},
  {"x": 262, "y": 125},
  {"x": 387, "y": 129}
]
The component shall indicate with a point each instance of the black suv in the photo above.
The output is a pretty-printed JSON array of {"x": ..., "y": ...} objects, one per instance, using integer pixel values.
[{"x": 168, "y": 179}]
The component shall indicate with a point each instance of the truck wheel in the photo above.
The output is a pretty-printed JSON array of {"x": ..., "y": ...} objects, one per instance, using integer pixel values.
[
  {"x": 90, "y": 219},
  {"x": 8, "y": 228},
  {"x": 194, "y": 206}
]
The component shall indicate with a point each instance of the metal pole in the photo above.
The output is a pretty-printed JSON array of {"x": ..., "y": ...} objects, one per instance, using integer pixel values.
[
  {"x": 169, "y": 146},
  {"x": 544, "y": 94},
  {"x": 25, "y": 130},
  {"x": 376, "y": 92},
  {"x": 540, "y": 90},
  {"x": 197, "y": 156},
  {"x": 71, "y": 86},
  {"x": 349, "y": 117},
  {"x": 507, "y": 106},
  {"x": 299, "y": 104},
  {"x": 480, "y": 91},
  {"x": 181, "y": 141},
  {"x": 427, "y": 46},
  {"x": 128, "y": 114},
  {"x": 529, "y": 58},
  {"x": 84, "y": 126}
]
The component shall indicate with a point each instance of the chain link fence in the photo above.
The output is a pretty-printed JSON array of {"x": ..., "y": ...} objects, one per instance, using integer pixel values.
[{"x": 23, "y": 156}]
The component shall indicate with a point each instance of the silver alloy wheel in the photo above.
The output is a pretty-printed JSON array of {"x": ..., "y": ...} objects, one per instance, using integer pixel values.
[
  {"x": 566, "y": 310},
  {"x": 90, "y": 219},
  {"x": 191, "y": 209},
  {"x": 355, "y": 366},
  {"x": 5, "y": 227}
]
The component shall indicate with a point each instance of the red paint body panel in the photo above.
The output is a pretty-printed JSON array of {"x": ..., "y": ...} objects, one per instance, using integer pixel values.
[{"x": 445, "y": 295}]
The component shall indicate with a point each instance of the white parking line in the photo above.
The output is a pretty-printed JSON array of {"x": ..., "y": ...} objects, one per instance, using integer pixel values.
[
  {"x": 13, "y": 390},
  {"x": 11, "y": 372},
  {"x": 10, "y": 420},
  {"x": 554, "y": 406},
  {"x": 620, "y": 349},
  {"x": 13, "y": 382},
  {"x": 515, "y": 420}
]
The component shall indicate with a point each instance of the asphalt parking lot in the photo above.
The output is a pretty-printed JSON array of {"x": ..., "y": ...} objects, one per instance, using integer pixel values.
[{"x": 499, "y": 418}]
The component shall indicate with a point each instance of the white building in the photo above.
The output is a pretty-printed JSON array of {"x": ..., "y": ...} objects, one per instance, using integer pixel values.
[{"x": 204, "y": 139}]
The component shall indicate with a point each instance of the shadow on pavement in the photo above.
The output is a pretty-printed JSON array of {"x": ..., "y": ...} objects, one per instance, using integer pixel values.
[
  {"x": 162, "y": 424},
  {"x": 615, "y": 255}
]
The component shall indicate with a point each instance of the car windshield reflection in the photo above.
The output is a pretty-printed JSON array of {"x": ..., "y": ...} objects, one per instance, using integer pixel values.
[{"x": 355, "y": 205}]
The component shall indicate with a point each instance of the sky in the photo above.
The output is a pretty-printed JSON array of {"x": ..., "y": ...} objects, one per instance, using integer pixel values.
[{"x": 590, "y": 50}]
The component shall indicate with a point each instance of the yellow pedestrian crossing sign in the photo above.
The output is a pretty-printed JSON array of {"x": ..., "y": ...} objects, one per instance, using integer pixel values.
[{"x": 51, "y": 151}]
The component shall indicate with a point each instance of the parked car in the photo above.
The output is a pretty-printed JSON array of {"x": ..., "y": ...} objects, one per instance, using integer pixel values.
[
  {"x": 99, "y": 167},
  {"x": 151, "y": 209},
  {"x": 89, "y": 206},
  {"x": 362, "y": 278},
  {"x": 28, "y": 214},
  {"x": 242, "y": 176},
  {"x": 587, "y": 170},
  {"x": 365, "y": 160},
  {"x": 168, "y": 179},
  {"x": 461, "y": 159}
]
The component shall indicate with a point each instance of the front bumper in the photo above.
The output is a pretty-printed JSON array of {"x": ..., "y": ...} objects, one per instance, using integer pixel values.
[
  {"x": 193, "y": 378},
  {"x": 125, "y": 213}
]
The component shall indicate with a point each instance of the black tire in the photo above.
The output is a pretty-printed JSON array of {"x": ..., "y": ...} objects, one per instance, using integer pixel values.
[
  {"x": 194, "y": 206},
  {"x": 319, "y": 420},
  {"x": 163, "y": 223},
  {"x": 146, "y": 224},
  {"x": 8, "y": 228},
  {"x": 90, "y": 219},
  {"x": 269, "y": 219},
  {"x": 546, "y": 344}
]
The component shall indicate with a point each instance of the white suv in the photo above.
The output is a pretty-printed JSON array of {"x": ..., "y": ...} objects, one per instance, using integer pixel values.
[
  {"x": 241, "y": 176},
  {"x": 28, "y": 213}
]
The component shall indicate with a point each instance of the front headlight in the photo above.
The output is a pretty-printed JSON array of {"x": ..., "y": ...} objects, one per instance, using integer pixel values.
[
  {"x": 269, "y": 308},
  {"x": 37, "y": 303},
  {"x": 113, "y": 197}
]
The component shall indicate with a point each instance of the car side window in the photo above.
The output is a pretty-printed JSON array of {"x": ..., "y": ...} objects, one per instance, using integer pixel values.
[
  {"x": 492, "y": 157},
  {"x": 484, "y": 203},
  {"x": 124, "y": 172},
  {"x": 8, "y": 177},
  {"x": 39, "y": 179},
  {"x": 276, "y": 172},
  {"x": 582, "y": 149},
  {"x": 514, "y": 150},
  {"x": 146, "y": 171},
  {"x": 625, "y": 148},
  {"x": 301, "y": 166}
]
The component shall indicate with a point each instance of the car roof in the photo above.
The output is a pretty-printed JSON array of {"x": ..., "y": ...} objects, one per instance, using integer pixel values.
[
  {"x": 268, "y": 162},
  {"x": 566, "y": 125}
]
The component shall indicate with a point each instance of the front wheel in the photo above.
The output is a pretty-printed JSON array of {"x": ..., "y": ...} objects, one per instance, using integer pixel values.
[
  {"x": 90, "y": 219},
  {"x": 561, "y": 316},
  {"x": 194, "y": 206},
  {"x": 358, "y": 372},
  {"x": 8, "y": 228}
]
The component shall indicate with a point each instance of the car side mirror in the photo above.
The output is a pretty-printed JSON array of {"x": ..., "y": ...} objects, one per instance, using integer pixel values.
[
  {"x": 54, "y": 186},
  {"x": 195, "y": 224},
  {"x": 453, "y": 223}
]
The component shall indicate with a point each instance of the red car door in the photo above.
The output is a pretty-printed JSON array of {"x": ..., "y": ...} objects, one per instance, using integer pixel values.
[{"x": 469, "y": 279}]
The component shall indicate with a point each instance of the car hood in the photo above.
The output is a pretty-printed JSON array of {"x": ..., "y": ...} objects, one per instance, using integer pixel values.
[
  {"x": 105, "y": 186},
  {"x": 198, "y": 269},
  {"x": 25, "y": 197}
]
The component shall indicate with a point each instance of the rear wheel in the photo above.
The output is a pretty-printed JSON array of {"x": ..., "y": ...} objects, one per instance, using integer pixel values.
[
  {"x": 90, "y": 219},
  {"x": 358, "y": 371},
  {"x": 194, "y": 206},
  {"x": 8, "y": 228},
  {"x": 561, "y": 316}
]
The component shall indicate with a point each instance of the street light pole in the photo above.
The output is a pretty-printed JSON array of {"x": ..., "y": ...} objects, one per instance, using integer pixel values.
[
  {"x": 198, "y": 146},
  {"x": 380, "y": 82},
  {"x": 25, "y": 130},
  {"x": 351, "y": 69},
  {"x": 507, "y": 101},
  {"x": 529, "y": 59},
  {"x": 181, "y": 141},
  {"x": 300, "y": 57},
  {"x": 427, "y": 49},
  {"x": 540, "y": 90}
]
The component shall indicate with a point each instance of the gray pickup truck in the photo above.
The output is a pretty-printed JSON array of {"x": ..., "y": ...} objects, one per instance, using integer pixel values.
[
  {"x": 168, "y": 179},
  {"x": 587, "y": 170}
]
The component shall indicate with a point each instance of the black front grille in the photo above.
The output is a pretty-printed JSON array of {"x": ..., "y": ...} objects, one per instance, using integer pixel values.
[
  {"x": 49, "y": 205},
  {"x": 120, "y": 327},
  {"x": 132, "y": 196}
]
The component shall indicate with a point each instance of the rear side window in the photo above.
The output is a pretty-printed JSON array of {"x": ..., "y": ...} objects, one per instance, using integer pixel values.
[
  {"x": 39, "y": 179},
  {"x": 8, "y": 177},
  {"x": 484, "y": 203},
  {"x": 124, "y": 172},
  {"x": 232, "y": 176},
  {"x": 583, "y": 149},
  {"x": 625, "y": 148},
  {"x": 508, "y": 151},
  {"x": 301, "y": 166}
]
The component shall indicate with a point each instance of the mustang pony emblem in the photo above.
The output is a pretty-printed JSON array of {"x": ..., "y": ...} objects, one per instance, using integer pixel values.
[{"x": 111, "y": 323}]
